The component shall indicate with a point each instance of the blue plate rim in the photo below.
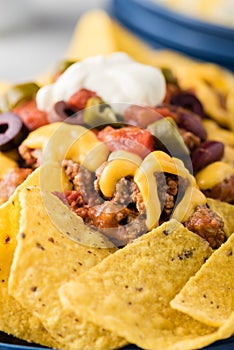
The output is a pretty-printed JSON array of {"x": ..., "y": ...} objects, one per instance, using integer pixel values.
[
  {"x": 188, "y": 20},
  {"x": 223, "y": 344},
  {"x": 177, "y": 46},
  {"x": 198, "y": 53}
]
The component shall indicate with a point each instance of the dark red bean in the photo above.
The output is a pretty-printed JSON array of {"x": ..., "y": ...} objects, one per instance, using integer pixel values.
[
  {"x": 61, "y": 111},
  {"x": 12, "y": 131},
  {"x": 208, "y": 152},
  {"x": 141, "y": 116},
  {"x": 192, "y": 122},
  {"x": 189, "y": 101}
]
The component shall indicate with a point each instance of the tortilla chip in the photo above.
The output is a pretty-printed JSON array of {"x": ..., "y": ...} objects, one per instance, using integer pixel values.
[
  {"x": 14, "y": 319},
  {"x": 224, "y": 332},
  {"x": 99, "y": 35},
  {"x": 220, "y": 134},
  {"x": 211, "y": 303},
  {"x": 228, "y": 156},
  {"x": 227, "y": 330},
  {"x": 130, "y": 292},
  {"x": 72, "y": 225},
  {"x": 226, "y": 211},
  {"x": 44, "y": 260},
  {"x": 212, "y": 84}
]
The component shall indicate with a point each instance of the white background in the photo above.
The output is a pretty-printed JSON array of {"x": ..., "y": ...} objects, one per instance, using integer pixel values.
[{"x": 34, "y": 34}]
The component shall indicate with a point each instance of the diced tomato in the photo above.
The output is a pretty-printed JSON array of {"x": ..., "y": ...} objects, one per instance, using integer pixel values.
[
  {"x": 79, "y": 99},
  {"x": 165, "y": 112},
  {"x": 32, "y": 117},
  {"x": 131, "y": 139}
]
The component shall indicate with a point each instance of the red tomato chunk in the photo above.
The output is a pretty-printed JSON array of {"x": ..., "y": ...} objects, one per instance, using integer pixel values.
[
  {"x": 131, "y": 139},
  {"x": 80, "y": 98},
  {"x": 31, "y": 116}
]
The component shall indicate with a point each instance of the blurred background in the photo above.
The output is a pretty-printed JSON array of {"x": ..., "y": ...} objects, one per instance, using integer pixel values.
[{"x": 34, "y": 34}]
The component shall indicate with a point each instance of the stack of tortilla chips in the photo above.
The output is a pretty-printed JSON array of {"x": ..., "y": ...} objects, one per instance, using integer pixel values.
[{"x": 166, "y": 290}]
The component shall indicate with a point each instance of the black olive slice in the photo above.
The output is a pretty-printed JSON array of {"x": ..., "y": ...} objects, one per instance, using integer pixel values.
[{"x": 12, "y": 131}]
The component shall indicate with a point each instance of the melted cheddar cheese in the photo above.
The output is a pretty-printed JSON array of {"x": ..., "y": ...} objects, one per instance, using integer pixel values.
[
  {"x": 213, "y": 174},
  {"x": 159, "y": 161}
]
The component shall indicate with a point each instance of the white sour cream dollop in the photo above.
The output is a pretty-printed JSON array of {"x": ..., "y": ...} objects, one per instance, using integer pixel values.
[{"x": 117, "y": 79}]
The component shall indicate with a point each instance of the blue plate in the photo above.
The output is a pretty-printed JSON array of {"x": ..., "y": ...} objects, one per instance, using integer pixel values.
[
  {"x": 8, "y": 342},
  {"x": 163, "y": 28}
]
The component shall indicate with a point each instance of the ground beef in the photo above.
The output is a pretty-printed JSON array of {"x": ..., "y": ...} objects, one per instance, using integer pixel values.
[
  {"x": 126, "y": 190},
  {"x": 71, "y": 169},
  {"x": 83, "y": 182},
  {"x": 11, "y": 181},
  {"x": 123, "y": 191},
  {"x": 192, "y": 141},
  {"x": 76, "y": 202},
  {"x": 170, "y": 189},
  {"x": 32, "y": 157},
  {"x": 137, "y": 198},
  {"x": 207, "y": 224},
  {"x": 108, "y": 214},
  {"x": 224, "y": 191},
  {"x": 122, "y": 218},
  {"x": 128, "y": 193},
  {"x": 119, "y": 223},
  {"x": 98, "y": 174},
  {"x": 124, "y": 234}
]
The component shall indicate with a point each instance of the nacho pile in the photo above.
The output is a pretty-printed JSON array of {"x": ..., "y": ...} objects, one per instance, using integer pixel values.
[{"x": 117, "y": 220}]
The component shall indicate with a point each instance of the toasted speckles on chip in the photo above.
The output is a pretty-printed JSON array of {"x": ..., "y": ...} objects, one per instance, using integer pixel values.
[
  {"x": 130, "y": 291},
  {"x": 209, "y": 295},
  {"x": 42, "y": 263}
]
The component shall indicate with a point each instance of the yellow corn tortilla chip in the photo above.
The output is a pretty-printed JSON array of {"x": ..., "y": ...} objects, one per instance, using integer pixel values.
[
  {"x": 220, "y": 134},
  {"x": 226, "y": 331},
  {"x": 228, "y": 156},
  {"x": 211, "y": 303},
  {"x": 14, "y": 319},
  {"x": 226, "y": 211},
  {"x": 212, "y": 84},
  {"x": 44, "y": 260},
  {"x": 106, "y": 36},
  {"x": 130, "y": 291},
  {"x": 84, "y": 42}
]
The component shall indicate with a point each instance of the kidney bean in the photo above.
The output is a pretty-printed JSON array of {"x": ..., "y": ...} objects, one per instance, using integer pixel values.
[
  {"x": 192, "y": 122},
  {"x": 189, "y": 101},
  {"x": 207, "y": 153},
  {"x": 141, "y": 116}
]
